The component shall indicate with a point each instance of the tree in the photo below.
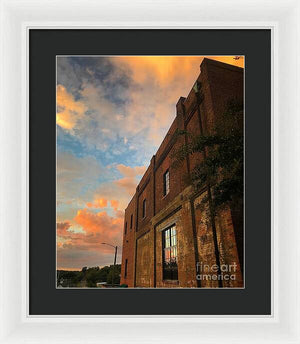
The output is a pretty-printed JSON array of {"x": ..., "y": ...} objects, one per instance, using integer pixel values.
[
  {"x": 222, "y": 151},
  {"x": 91, "y": 276},
  {"x": 116, "y": 271},
  {"x": 221, "y": 168}
]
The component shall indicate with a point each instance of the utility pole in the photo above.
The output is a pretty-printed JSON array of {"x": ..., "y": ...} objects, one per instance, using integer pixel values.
[{"x": 115, "y": 261}]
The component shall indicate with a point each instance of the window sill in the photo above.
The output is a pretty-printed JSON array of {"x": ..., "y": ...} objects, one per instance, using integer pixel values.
[{"x": 171, "y": 281}]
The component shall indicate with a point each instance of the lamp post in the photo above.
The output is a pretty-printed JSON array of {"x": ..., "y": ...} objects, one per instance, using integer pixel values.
[{"x": 115, "y": 260}]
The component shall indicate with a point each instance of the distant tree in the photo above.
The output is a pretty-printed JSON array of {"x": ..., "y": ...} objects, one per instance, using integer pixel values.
[
  {"x": 114, "y": 272},
  {"x": 68, "y": 278},
  {"x": 92, "y": 277},
  {"x": 88, "y": 276},
  {"x": 103, "y": 273}
]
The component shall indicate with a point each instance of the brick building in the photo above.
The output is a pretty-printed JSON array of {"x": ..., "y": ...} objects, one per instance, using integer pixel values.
[{"x": 167, "y": 240}]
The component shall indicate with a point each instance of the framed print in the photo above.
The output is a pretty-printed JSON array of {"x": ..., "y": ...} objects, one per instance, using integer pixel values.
[
  {"x": 137, "y": 218},
  {"x": 149, "y": 180}
]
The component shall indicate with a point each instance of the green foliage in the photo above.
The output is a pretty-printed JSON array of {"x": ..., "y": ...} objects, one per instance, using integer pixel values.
[
  {"x": 114, "y": 275},
  {"x": 222, "y": 151},
  {"x": 88, "y": 277}
]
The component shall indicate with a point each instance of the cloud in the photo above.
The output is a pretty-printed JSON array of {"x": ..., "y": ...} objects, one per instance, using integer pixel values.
[
  {"x": 77, "y": 249},
  {"x": 77, "y": 175},
  {"x": 127, "y": 97},
  {"x": 99, "y": 223},
  {"x": 131, "y": 172},
  {"x": 129, "y": 182},
  {"x": 157, "y": 82},
  {"x": 114, "y": 204},
  {"x": 119, "y": 191},
  {"x": 77, "y": 180},
  {"x": 87, "y": 228},
  {"x": 162, "y": 69},
  {"x": 111, "y": 190},
  {"x": 98, "y": 203},
  {"x": 62, "y": 228},
  {"x": 69, "y": 111},
  {"x": 74, "y": 258}
]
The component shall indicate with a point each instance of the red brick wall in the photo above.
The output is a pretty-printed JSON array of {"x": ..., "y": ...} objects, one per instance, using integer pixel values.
[
  {"x": 144, "y": 261},
  {"x": 177, "y": 174},
  {"x": 193, "y": 129},
  {"x": 128, "y": 245},
  {"x": 221, "y": 83},
  {"x": 146, "y": 194},
  {"x": 226, "y": 245}
]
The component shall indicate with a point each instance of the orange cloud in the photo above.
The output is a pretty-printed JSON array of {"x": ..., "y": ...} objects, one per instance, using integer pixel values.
[
  {"x": 101, "y": 224},
  {"x": 114, "y": 204},
  {"x": 68, "y": 110},
  {"x": 62, "y": 228},
  {"x": 166, "y": 68},
  {"x": 130, "y": 172},
  {"x": 98, "y": 203},
  {"x": 162, "y": 68},
  {"x": 129, "y": 182},
  {"x": 162, "y": 80},
  {"x": 73, "y": 248}
]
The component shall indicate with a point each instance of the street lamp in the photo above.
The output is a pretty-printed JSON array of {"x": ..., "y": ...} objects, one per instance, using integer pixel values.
[{"x": 116, "y": 250}]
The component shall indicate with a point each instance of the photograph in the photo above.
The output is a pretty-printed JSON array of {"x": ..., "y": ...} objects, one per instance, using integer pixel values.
[{"x": 150, "y": 166}]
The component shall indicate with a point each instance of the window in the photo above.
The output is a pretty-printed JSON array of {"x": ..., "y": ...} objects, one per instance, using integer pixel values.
[
  {"x": 125, "y": 227},
  {"x": 170, "y": 269},
  {"x": 125, "y": 272},
  {"x": 144, "y": 208},
  {"x": 131, "y": 220},
  {"x": 166, "y": 182}
]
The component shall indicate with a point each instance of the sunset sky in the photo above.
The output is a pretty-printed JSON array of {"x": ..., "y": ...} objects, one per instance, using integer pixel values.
[{"x": 112, "y": 114}]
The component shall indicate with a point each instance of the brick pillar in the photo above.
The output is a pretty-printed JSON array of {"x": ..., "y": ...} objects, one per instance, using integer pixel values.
[
  {"x": 135, "y": 231},
  {"x": 152, "y": 229},
  {"x": 180, "y": 113}
]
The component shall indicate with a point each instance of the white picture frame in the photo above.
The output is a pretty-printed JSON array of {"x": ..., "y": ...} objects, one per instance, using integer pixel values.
[{"x": 17, "y": 16}]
